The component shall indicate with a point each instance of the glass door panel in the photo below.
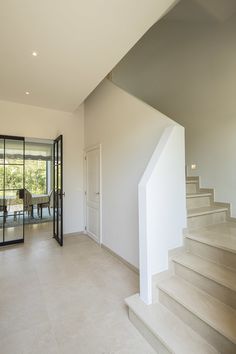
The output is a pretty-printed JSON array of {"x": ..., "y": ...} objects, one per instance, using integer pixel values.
[
  {"x": 12, "y": 156},
  {"x": 1, "y": 151},
  {"x": 58, "y": 190},
  {"x": 1, "y": 188},
  {"x": 1, "y": 228}
]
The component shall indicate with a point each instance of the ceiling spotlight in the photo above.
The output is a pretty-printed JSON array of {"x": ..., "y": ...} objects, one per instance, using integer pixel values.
[
  {"x": 34, "y": 54},
  {"x": 27, "y": 93}
]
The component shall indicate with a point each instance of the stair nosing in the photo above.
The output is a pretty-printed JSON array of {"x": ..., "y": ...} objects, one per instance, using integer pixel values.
[
  {"x": 193, "y": 310},
  {"x": 191, "y": 181},
  {"x": 177, "y": 259},
  {"x": 206, "y": 212},
  {"x": 197, "y": 195}
]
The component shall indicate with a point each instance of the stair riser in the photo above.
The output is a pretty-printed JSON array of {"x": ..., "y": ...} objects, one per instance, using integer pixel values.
[
  {"x": 198, "y": 202},
  {"x": 211, "y": 287},
  {"x": 191, "y": 188},
  {"x": 197, "y": 222},
  {"x": 147, "y": 334},
  {"x": 219, "y": 341},
  {"x": 211, "y": 253}
]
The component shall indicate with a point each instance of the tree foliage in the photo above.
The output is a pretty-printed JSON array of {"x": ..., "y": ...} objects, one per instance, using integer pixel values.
[{"x": 35, "y": 176}]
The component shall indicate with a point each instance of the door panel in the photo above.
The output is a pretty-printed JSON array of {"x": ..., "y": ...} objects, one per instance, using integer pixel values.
[
  {"x": 12, "y": 172},
  {"x": 58, "y": 190},
  {"x": 93, "y": 193}
]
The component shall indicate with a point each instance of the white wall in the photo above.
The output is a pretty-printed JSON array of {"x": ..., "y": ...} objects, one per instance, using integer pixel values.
[
  {"x": 187, "y": 71},
  {"x": 162, "y": 207},
  {"x": 34, "y": 122},
  {"x": 129, "y": 131}
]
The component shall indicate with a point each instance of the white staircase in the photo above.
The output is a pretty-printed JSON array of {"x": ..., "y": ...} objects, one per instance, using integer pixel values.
[{"x": 194, "y": 310}]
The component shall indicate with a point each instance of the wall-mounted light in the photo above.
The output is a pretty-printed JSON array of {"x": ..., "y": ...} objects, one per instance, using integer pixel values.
[{"x": 193, "y": 166}]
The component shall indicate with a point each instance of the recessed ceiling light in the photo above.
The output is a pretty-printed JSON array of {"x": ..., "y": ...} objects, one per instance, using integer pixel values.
[
  {"x": 27, "y": 93},
  {"x": 34, "y": 54}
]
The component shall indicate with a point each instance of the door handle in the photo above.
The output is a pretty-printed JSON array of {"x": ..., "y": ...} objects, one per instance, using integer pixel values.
[{"x": 98, "y": 193}]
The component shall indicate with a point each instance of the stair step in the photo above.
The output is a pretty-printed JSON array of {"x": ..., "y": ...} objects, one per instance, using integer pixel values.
[
  {"x": 206, "y": 314},
  {"x": 221, "y": 236},
  {"x": 206, "y": 210},
  {"x": 197, "y": 195},
  {"x": 191, "y": 181},
  {"x": 198, "y": 200},
  {"x": 192, "y": 186},
  {"x": 213, "y": 271},
  {"x": 215, "y": 279},
  {"x": 165, "y": 331},
  {"x": 205, "y": 216}
]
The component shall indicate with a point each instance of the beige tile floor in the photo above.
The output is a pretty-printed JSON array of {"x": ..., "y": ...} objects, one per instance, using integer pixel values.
[{"x": 66, "y": 300}]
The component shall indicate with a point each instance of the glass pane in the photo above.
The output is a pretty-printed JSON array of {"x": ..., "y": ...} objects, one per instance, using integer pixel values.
[
  {"x": 36, "y": 176},
  {"x": 59, "y": 176},
  {"x": 56, "y": 177},
  {"x": 1, "y": 177},
  {"x": 55, "y": 153},
  {"x": 13, "y": 177},
  {"x": 1, "y": 228},
  {"x": 1, "y": 151},
  {"x": 14, "y": 150},
  {"x": 1, "y": 203},
  {"x": 14, "y": 203},
  {"x": 59, "y": 151},
  {"x": 14, "y": 228}
]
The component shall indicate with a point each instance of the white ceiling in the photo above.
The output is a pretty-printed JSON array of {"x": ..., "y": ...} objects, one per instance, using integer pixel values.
[
  {"x": 202, "y": 10},
  {"x": 78, "y": 43}
]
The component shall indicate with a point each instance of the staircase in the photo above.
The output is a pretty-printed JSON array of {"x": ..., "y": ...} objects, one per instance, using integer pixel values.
[{"x": 194, "y": 307}]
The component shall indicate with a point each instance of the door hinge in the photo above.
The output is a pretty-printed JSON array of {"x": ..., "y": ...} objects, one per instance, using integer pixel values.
[
  {"x": 85, "y": 228},
  {"x": 85, "y": 193},
  {"x": 85, "y": 158}
]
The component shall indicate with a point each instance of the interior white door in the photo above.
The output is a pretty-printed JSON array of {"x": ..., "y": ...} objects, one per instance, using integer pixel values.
[{"x": 93, "y": 193}]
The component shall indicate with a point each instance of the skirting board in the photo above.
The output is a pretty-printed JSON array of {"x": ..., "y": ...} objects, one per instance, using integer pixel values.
[
  {"x": 78, "y": 233},
  {"x": 133, "y": 268}
]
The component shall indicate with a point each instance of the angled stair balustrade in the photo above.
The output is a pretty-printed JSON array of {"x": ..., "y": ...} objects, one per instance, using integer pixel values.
[{"x": 194, "y": 305}]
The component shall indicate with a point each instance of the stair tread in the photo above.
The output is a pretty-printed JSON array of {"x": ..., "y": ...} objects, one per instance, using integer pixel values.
[
  {"x": 196, "y": 195},
  {"x": 178, "y": 337},
  {"x": 190, "y": 181},
  {"x": 220, "y": 235},
  {"x": 205, "y": 210},
  {"x": 213, "y": 271},
  {"x": 216, "y": 314}
]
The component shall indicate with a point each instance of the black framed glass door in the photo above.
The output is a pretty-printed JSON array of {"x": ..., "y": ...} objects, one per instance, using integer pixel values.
[
  {"x": 58, "y": 190},
  {"x": 12, "y": 181}
]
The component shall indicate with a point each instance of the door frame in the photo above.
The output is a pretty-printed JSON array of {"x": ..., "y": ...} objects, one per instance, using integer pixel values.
[{"x": 91, "y": 148}]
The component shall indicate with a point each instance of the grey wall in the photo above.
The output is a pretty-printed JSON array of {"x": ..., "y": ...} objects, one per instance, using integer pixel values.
[{"x": 187, "y": 71}]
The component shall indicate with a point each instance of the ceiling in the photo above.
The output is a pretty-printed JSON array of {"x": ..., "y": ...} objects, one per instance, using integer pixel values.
[
  {"x": 202, "y": 10},
  {"x": 78, "y": 43}
]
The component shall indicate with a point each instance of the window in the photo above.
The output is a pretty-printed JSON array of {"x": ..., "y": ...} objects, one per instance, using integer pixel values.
[
  {"x": 36, "y": 176},
  {"x": 38, "y": 167}
]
